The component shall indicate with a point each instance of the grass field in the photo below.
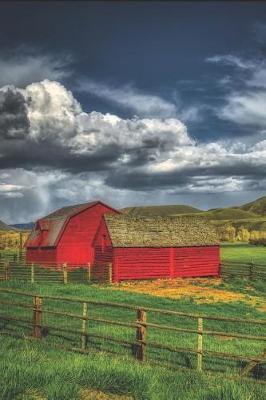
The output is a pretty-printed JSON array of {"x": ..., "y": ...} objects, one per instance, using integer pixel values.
[
  {"x": 34, "y": 370},
  {"x": 27, "y": 367},
  {"x": 243, "y": 252}
]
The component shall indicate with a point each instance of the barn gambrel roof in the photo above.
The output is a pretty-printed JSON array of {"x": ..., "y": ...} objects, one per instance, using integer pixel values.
[
  {"x": 54, "y": 224},
  {"x": 160, "y": 231}
]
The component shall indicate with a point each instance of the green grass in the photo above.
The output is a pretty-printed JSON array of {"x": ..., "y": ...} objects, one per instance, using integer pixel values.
[
  {"x": 50, "y": 370},
  {"x": 58, "y": 375},
  {"x": 160, "y": 210},
  {"x": 243, "y": 252}
]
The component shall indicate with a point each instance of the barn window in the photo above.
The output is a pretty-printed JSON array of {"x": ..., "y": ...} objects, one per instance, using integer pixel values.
[{"x": 103, "y": 243}]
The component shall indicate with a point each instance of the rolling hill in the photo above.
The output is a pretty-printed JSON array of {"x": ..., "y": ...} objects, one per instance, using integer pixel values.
[
  {"x": 255, "y": 209},
  {"x": 5, "y": 227},
  {"x": 160, "y": 210},
  {"x": 229, "y": 213},
  {"x": 24, "y": 227},
  {"x": 251, "y": 216},
  {"x": 258, "y": 206}
]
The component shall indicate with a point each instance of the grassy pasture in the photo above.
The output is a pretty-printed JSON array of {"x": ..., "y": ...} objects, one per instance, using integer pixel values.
[
  {"x": 243, "y": 252},
  {"x": 54, "y": 373},
  {"x": 35, "y": 370},
  {"x": 30, "y": 371}
]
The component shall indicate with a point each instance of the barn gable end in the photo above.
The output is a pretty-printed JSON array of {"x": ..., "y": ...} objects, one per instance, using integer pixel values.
[{"x": 65, "y": 236}]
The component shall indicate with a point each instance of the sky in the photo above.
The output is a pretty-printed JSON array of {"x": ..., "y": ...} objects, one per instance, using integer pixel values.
[{"x": 132, "y": 103}]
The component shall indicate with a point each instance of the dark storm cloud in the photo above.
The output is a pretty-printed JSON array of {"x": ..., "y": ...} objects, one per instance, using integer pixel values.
[
  {"x": 14, "y": 122},
  {"x": 194, "y": 176},
  {"x": 134, "y": 180},
  {"x": 28, "y": 154}
]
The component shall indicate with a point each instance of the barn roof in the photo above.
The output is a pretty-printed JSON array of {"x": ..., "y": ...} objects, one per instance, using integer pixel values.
[
  {"x": 69, "y": 211},
  {"x": 160, "y": 231},
  {"x": 54, "y": 224}
]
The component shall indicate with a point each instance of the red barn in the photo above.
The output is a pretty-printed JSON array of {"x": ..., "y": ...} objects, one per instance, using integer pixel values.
[
  {"x": 158, "y": 247},
  {"x": 66, "y": 235}
]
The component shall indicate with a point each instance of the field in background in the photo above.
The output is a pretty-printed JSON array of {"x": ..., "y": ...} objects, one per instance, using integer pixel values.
[
  {"x": 243, "y": 252},
  {"x": 13, "y": 240}
]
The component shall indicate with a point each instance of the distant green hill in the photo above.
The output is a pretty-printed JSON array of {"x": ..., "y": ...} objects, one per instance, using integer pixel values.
[
  {"x": 5, "y": 227},
  {"x": 160, "y": 210},
  {"x": 252, "y": 215},
  {"x": 24, "y": 227},
  {"x": 258, "y": 206},
  {"x": 229, "y": 214}
]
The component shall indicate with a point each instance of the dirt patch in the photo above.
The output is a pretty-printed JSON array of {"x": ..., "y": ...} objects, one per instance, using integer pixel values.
[
  {"x": 88, "y": 394},
  {"x": 31, "y": 394},
  {"x": 197, "y": 290}
]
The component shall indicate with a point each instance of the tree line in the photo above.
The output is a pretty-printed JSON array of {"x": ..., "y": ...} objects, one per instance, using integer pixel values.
[{"x": 230, "y": 233}]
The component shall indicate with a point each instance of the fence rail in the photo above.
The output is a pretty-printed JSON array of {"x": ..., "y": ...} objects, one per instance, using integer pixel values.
[
  {"x": 249, "y": 271},
  {"x": 87, "y": 326},
  {"x": 52, "y": 273}
]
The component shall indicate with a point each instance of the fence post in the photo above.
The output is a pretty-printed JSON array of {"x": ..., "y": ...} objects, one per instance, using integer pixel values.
[
  {"x": 7, "y": 270},
  {"x": 89, "y": 272},
  {"x": 37, "y": 317},
  {"x": 200, "y": 346},
  {"x": 32, "y": 273},
  {"x": 20, "y": 246},
  {"x": 251, "y": 267},
  {"x": 65, "y": 277},
  {"x": 110, "y": 273},
  {"x": 141, "y": 335},
  {"x": 84, "y": 326}
]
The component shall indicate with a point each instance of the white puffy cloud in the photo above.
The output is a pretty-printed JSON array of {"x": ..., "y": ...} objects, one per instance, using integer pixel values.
[
  {"x": 52, "y": 111},
  {"x": 56, "y": 116}
]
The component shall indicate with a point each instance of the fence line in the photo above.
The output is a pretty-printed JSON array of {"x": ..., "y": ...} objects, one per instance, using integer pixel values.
[
  {"x": 141, "y": 325},
  {"x": 51, "y": 272},
  {"x": 249, "y": 271},
  {"x": 66, "y": 273}
]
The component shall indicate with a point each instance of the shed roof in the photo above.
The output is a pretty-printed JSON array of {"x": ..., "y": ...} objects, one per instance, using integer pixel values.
[
  {"x": 160, "y": 231},
  {"x": 54, "y": 224}
]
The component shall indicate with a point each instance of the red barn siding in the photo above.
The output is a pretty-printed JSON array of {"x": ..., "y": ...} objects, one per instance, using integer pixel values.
[
  {"x": 131, "y": 263},
  {"x": 36, "y": 255},
  {"x": 196, "y": 261},
  {"x": 140, "y": 263}
]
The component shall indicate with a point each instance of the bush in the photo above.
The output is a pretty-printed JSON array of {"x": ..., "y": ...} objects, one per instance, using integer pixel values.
[{"x": 258, "y": 241}]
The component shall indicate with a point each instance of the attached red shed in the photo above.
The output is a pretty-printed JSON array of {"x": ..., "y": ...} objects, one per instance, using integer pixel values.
[
  {"x": 66, "y": 235},
  {"x": 158, "y": 247}
]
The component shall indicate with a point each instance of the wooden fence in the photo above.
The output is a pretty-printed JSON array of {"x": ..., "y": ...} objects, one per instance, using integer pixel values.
[
  {"x": 239, "y": 269},
  {"x": 61, "y": 273},
  {"x": 39, "y": 306},
  {"x": 13, "y": 266},
  {"x": 66, "y": 273}
]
